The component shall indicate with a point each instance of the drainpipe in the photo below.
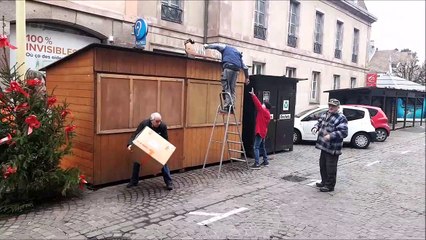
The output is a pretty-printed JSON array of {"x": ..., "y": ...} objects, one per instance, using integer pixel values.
[
  {"x": 206, "y": 20},
  {"x": 20, "y": 37}
]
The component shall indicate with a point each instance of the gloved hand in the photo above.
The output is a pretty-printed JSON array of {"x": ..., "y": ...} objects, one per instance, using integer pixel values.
[{"x": 314, "y": 130}]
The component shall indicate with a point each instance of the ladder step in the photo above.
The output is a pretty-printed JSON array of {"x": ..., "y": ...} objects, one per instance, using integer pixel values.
[
  {"x": 237, "y": 159},
  {"x": 216, "y": 141},
  {"x": 234, "y": 133},
  {"x": 234, "y": 150},
  {"x": 234, "y": 142}
]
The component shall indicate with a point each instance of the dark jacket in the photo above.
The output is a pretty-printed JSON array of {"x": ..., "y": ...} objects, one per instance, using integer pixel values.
[
  {"x": 337, "y": 126},
  {"x": 231, "y": 57},
  {"x": 161, "y": 130}
]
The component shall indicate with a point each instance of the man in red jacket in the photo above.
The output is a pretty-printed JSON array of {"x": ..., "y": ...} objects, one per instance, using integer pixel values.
[{"x": 262, "y": 120}]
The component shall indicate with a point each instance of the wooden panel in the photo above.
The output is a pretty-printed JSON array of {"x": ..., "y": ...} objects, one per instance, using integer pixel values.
[
  {"x": 115, "y": 160},
  {"x": 196, "y": 142},
  {"x": 139, "y": 63},
  {"x": 203, "y": 70},
  {"x": 213, "y": 101},
  {"x": 171, "y": 102},
  {"x": 196, "y": 103},
  {"x": 114, "y": 103},
  {"x": 144, "y": 100}
]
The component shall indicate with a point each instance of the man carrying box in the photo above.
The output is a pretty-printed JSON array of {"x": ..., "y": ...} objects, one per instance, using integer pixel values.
[{"x": 155, "y": 123}]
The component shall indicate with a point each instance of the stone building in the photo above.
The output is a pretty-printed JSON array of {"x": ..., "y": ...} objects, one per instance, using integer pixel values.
[{"x": 325, "y": 42}]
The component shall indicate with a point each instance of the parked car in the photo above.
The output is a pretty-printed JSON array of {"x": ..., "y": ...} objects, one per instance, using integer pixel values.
[
  {"x": 379, "y": 121},
  {"x": 360, "y": 129}
]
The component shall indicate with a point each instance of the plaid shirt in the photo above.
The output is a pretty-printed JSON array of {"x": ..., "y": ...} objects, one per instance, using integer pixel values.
[{"x": 337, "y": 126}]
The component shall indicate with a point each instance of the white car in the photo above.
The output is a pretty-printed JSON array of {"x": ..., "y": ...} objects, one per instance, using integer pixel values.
[{"x": 360, "y": 130}]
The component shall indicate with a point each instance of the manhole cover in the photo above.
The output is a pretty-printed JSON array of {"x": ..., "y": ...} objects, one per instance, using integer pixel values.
[{"x": 294, "y": 178}]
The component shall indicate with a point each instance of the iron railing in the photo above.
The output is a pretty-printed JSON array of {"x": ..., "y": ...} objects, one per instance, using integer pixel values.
[
  {"x": 292, "y": 41},
  {"x": 171, "y": 13},
  {"x": 260, "y": 32}
]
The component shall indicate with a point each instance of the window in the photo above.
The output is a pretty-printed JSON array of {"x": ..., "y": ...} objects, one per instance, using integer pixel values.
[
  {"x": 315, "y": 115},
  {"x": 319, "y": 28},
  {"x": 353, "y": 82},
  {"x": 257, "y": 68},
  {"x": 315, "y": 87},
  {"x": 260, "y": 19},
  {"x": 290, "y": 72},
  {"x": 336, "y": 82},
  {"x": 171, "y": 10},
  {"x": 352, "y": 114},
  {"x": 355, "y": 47},
  {"x": 293, "y": 24},
  {"x": 339, "y": 40},
  {"x": 372, "y": 112}
]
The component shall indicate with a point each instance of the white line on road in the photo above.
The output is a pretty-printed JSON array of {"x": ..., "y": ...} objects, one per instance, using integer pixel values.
[
  {"x": 372, "y": 163},
  {"x": 204, "y": 214},
  {"x": 219, "y": 216},
  {"x": 404, "y": 152}
]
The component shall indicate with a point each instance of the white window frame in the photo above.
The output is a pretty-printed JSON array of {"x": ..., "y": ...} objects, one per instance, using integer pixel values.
[
  {"x": 260, "y": 13},
  {"x": 319, "y": 27},
  {"x": 355, "y": 47},
  {"x": 339, "y": 35},
  {"x": 257, "y": 68},
  {"x": 353, "y": 82},
  {"x": 315, "y": 83},
  {"x": 294, "y": 11},
  {"x": 336, "y": 82},
  {"x": 290, "y": 72}
]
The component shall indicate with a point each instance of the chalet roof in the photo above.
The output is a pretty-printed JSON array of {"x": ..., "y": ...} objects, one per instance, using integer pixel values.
[
  {"x": 389, "y": 81},
  {"x": 380, "y": 61}
]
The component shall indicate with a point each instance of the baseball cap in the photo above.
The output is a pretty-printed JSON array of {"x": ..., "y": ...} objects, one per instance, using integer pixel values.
[{"x": 334, "y": 102}]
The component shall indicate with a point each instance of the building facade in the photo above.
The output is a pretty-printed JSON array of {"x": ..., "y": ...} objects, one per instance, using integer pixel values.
[{"x": 325, "y": 42}]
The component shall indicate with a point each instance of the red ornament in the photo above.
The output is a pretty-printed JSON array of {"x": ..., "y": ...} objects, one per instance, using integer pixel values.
[
  {"x": 15, "y": 87},
  {"x": 69, "y": 129},
  {"x": 34, "y": 82},
  {"x": 7, "y": 139},
  {"x": 83, "y": 181},
  {"x": 9, "y": 171},
  {"x": 51, "y": 100},
  {"x": 32, "y": 122},
  {"x": 5, "y": 43},
  {"x": 65, "y": 112},
  {"x": 22, "y": 107}
]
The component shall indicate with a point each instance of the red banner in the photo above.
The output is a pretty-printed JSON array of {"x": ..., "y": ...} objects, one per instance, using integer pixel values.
[{"x": 371, "y": 79}]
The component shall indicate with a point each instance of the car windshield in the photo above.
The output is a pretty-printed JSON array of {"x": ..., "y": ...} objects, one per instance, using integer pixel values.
[{"x": 304, "y": 112}]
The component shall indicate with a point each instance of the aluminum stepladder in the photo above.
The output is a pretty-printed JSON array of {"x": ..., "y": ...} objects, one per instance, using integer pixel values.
[{"x": 226, "y": 115}]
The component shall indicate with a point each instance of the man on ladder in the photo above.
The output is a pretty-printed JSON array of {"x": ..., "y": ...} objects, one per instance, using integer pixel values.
[{"x": 232, "y": 62}]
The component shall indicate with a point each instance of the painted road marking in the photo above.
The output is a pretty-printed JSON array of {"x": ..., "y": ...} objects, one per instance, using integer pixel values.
[
  {"x": 404, "y": 152},
  {"x": 313, "y": 182},
  {"x": 372, "y": 163},
  {"x": 217, "y": 216}
]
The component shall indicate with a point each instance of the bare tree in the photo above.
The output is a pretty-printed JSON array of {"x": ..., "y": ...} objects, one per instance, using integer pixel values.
[{"x": 408, "y": 67}]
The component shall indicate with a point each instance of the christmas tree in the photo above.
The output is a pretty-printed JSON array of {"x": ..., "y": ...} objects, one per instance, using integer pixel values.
[{"x": 35, "y": 134}]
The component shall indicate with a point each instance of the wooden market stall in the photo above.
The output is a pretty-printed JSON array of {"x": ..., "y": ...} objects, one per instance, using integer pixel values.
[{"x": 112, "y": 89}]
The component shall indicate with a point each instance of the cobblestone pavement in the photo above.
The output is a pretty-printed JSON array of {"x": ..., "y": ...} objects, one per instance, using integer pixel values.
[{"x": 380, "y": 193}]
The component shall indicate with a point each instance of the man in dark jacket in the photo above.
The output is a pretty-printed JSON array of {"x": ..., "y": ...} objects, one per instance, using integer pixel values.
[
  {"x": 332, "y": 128},
  {"x": 262, "y": 121},
  {"x": 156, "y": 124},
  {"x": 232, "y": 62}
]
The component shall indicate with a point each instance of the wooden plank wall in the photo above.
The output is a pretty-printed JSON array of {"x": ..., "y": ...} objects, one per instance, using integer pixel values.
[{"x": 73, "y": 81}]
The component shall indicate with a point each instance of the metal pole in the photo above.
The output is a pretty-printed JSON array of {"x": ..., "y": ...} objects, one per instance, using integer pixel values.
[
  {"x": 414, "y": 114},
  {"x": 421, "y": 115},
  {"x": 20, "y": 36},
  {"x": 405, "y": 111}
]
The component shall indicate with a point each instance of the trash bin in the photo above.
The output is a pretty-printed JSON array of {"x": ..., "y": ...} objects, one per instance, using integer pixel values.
[{"x": 280, "y": 92}]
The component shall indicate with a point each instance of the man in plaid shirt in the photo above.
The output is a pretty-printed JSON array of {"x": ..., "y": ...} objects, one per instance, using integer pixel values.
[{"x": 332, "y": 128}]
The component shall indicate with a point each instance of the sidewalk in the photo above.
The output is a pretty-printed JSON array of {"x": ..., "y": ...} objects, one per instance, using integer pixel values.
[{"x": 380, "y": 193}]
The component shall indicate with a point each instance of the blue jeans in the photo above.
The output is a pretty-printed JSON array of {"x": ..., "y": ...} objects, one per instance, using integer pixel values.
[
  {"x": 259, "y": 149},
  {"x": 135, "y": 174}
]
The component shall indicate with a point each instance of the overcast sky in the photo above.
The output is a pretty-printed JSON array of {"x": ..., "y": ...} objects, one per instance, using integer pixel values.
[{"x": 400, "y": 24}]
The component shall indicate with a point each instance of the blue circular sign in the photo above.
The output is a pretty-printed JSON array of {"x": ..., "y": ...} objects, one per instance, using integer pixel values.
[{"x": 140, "y": 29}]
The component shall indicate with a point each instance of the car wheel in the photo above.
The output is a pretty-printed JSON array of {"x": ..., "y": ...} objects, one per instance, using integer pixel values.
[
  {"x": 360, "y": 140},
  {"x": 297, "y": 137},
  {"x": 382, "y": 134}
]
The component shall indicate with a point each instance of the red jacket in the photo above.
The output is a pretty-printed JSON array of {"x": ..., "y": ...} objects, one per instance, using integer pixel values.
[{"x": 262, "y": 118}]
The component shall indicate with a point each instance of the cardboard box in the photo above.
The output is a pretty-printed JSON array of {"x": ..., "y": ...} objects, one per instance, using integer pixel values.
[{"x": 154, "y": 145}]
